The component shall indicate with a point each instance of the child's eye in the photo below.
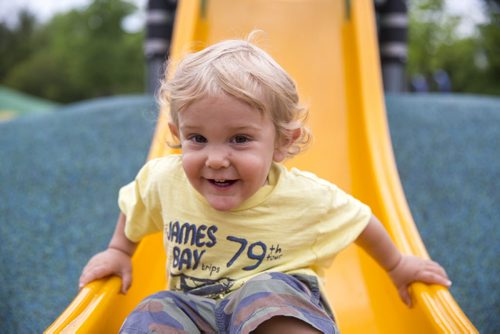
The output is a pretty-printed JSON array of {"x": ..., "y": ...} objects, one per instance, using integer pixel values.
[
  {"x": 240, "y": 139},
  {"x": 199, "y": 139}
]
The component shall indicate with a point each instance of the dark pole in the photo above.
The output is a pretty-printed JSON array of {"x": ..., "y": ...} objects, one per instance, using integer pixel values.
[
  {"x": 393, "y": 40},
  {"x": 159, "y": 26}
]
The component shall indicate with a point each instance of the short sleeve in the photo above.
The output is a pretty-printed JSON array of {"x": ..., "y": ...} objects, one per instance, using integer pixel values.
[
  {"x": 345, "y": 218},
  {"x": 140, "y": 202}
]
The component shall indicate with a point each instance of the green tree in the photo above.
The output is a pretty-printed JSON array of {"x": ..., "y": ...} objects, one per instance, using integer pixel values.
[
  {"x": 85, "y": 54},
  {"x": 16, "y": 44},
  {"x": 490, "y": 44},
  {"x": 472, "y": 61}
]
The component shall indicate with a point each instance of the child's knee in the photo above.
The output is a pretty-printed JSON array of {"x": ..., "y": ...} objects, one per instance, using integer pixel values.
[
  {"x": 157, "y": 302},
  {"x": 163, "y": 312},
  {"x": 276, "y": 300}
]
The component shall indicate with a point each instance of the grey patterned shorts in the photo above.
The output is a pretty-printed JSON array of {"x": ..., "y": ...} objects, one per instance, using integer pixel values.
[{"x": 242, "y": 311}]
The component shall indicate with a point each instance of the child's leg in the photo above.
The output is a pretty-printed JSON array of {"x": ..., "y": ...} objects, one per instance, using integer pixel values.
[
  {"x": 171, "y": 312},
  {"x": 274, "y": 303}
]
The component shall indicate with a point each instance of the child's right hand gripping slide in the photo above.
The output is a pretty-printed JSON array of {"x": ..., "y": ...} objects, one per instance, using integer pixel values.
[{"x": 109, "y": 262}]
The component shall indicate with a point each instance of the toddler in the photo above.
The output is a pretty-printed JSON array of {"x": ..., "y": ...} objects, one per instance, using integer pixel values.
[{"x": 246, "y": 239}]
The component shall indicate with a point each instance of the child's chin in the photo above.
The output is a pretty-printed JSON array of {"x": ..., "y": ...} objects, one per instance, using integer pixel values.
[{"x": 223, "y": 204}]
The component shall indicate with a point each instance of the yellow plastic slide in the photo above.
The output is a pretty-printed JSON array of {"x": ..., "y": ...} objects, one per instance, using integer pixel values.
[{"x": 330, "y": 48}]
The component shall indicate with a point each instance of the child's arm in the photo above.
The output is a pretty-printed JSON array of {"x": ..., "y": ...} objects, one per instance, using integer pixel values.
[
  {"x": 116, "y": 260},
  {"x": 403, "y": 269}
]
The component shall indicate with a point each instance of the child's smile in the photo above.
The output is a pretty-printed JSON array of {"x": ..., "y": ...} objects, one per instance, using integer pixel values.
[
  {"x": 228, "y": 147},
  {"x": 222, "y": 183}
]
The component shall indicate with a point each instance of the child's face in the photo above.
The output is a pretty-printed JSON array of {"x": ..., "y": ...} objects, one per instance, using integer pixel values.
[{"x": 227, "y": 149}]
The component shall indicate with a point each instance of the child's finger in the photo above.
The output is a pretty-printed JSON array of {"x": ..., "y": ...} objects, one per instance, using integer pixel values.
[
  {"x": 86, "y": 276},
  {"x": 84, "y": 280},
  {"x": 434, "y": 275},
  {"x": 405, "y": 296},
  {"x": 439, "y": 273},
  {"x": 93, "y": 273},
  {"x": 126, "y": 281},
  {"x": 437, "y": 269}
]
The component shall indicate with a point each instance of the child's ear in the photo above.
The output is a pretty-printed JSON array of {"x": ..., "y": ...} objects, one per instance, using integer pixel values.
[
  {"x": 174, "y": 130},
  {"x": 295, "y": 135},
  {"x": 281, "y": 151}
]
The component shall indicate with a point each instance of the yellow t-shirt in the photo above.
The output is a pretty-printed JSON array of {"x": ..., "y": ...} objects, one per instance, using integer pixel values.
[{"x": 295, "y": 224}]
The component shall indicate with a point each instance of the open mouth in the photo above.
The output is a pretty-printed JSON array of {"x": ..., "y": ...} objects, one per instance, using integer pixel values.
[{"x": 222, "y": 182}]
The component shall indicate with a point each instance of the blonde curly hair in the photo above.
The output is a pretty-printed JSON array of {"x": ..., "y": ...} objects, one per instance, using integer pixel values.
[{"x": 242, "y": 70}]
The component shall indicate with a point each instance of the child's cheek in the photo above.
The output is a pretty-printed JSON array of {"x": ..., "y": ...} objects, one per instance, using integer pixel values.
[{"x": 190, "y": 164}]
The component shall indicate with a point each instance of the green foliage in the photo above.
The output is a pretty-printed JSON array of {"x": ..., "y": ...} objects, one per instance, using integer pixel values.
[
  {"x": 85, "y": 53},
  {"x": 17, "y": 44},
  {"x": 80, "y": 54},
  {"x": 472, "y": 62},
  {"x": 490, "y": 40}
]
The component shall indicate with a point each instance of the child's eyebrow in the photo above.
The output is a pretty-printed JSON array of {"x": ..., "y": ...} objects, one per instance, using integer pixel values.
[
  {"x": 189, "y": 128},
  {"x": 246, "y": 127},
  {"x": 236, "y": 128}
]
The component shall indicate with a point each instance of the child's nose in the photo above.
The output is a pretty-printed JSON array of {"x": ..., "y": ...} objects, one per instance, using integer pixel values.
[{"x": 217, "y": 158}]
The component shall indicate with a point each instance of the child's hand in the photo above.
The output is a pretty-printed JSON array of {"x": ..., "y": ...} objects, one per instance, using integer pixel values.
[
  {"x": 109, "y": 262},
  {"x": 415, "y": 269}
]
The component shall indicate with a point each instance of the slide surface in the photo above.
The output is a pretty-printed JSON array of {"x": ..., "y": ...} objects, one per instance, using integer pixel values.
[{"x": 329, "y": 47}]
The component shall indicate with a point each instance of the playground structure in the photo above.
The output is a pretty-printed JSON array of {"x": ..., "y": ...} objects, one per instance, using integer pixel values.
[{"x": 330, "y": 49}]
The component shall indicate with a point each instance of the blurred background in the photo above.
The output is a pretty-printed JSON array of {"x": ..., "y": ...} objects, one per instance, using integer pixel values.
[
  {"x": 68, "y": 51},
  {"x": 77, "y": 114}
]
